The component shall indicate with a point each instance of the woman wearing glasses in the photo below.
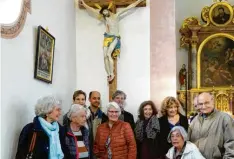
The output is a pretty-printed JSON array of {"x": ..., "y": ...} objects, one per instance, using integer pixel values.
[
  {"x": 172, "y": 116},
  {"x": 114, "y": 138}
]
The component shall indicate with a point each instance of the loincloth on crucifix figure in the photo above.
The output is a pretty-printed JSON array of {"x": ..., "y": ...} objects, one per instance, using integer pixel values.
[
  {"x": 111, "y": 44},
  {"x": 111, "y": 48}
]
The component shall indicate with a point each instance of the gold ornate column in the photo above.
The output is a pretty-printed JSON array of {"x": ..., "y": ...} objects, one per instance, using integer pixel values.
[{"x": 194, "y": 43}]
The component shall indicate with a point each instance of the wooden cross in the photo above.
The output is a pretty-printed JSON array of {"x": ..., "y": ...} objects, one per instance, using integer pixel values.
[{"x": 115, "y": 4}]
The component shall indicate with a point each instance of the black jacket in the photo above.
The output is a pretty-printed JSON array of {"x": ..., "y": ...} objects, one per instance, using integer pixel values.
[
  {"x": 41, "y": 149},
  {"x": 165, "y": 130},
  {"x": 128, "y": 117}
]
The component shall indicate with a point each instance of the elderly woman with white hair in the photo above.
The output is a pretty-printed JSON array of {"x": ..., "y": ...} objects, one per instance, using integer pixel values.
[
  {"x": 40, "y": 139},
  {"x": 120, "y": 98},
  {"x": 75, "y": 136},
  {"x": 182, "y": 149},
  {"x": 114, "y": 138}
]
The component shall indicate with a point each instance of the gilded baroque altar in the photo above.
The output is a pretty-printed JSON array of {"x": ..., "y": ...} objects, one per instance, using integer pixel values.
[{"x": 210, "y": 45}]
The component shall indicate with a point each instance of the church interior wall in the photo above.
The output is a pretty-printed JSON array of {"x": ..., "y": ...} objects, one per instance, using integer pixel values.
[
  {"x": 148, "y": 66},
  {"x": 20, "y": 91}
]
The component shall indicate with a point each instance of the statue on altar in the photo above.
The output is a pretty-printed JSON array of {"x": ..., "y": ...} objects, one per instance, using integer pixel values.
[
  {"x": 182, "y": 77},
  {"x": 111, "y": 43}
]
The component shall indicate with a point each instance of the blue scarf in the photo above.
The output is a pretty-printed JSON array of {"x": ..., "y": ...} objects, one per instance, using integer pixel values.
[{"x": 52, "y": 132}]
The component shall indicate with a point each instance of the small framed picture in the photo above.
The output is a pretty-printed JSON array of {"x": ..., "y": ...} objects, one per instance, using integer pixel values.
[
  {"x": 44, "y": 56},
  {"x": 221, "y": 14}
]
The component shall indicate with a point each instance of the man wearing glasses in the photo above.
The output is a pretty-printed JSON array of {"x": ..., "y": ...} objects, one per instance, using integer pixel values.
[{"x": 211, "y": 130}]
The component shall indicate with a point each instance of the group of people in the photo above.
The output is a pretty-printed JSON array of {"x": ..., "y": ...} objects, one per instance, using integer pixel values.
[{"x": 90, "y": 133}]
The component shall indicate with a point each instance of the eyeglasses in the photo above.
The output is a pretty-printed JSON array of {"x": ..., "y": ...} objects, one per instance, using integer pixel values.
[
  {"x": 205, "y": 103},
  {"x": 113, "y": 112}
]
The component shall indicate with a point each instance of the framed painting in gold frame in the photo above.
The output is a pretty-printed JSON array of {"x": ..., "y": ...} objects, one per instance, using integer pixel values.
[
  {"x": 221, "y": 14},
  {"x": 44, "y": 56},
  {"x": 213, "y": 60}
]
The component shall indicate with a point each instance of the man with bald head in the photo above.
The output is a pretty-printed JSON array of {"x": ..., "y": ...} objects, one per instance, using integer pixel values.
[{"x": 211, "y": 130}]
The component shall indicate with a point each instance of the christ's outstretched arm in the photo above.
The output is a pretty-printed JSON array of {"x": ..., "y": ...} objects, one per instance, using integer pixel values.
[
  {"x": 133, "y": 5},
  {"x": 93, "y": 11}
]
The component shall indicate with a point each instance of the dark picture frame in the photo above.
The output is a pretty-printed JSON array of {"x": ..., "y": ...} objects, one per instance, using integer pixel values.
[{"x": 44, "y": 59}]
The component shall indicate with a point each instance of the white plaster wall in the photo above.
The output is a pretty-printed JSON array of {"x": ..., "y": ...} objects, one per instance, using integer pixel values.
[
  {"x": 20, "y": 90},
  {"x": 184, "y": 9},
  {"x": 133, "y": 64}
]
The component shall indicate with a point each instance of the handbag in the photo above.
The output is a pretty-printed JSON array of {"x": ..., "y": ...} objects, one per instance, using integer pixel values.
[{"x": 32, "y": 144}]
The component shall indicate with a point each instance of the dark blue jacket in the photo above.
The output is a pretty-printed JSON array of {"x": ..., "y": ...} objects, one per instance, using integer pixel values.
[
  {"x": 41, "y": 149},
  {"x": 69, "y": 142}
]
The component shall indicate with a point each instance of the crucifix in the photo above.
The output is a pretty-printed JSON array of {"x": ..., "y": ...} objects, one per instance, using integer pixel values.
[{"x": 106, "y": 12}]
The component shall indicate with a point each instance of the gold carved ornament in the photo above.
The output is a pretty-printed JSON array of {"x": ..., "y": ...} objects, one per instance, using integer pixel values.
[{"x": 185, "y": 32}]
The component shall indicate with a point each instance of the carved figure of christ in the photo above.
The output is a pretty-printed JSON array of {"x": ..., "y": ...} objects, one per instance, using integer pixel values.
[{"x": 111, "y": 44}]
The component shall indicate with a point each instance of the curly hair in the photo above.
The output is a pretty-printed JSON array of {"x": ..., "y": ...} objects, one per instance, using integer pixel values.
[
  {"x": 141, "y": 109},
  {"x": 77, "y": 93},
  {"x": 46, "y": 105},
  {"x": 169, "y": 101}
]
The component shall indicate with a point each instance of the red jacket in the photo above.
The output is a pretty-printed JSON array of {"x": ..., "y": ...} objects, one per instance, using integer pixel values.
[{"x": 123, "y": 144}]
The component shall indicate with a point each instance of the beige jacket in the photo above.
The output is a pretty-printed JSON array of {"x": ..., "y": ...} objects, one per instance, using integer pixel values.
[{"x": 214, "y": 135}]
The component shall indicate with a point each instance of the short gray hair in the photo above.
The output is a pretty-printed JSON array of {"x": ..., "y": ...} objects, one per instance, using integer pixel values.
[
  {"x": 74, "y": 110},
  {"x": 119, "y": 92},
  {"x": 113, "y": 105},
  {"x": 182, "y": 132},
  {"x": 46, "y": 105}
]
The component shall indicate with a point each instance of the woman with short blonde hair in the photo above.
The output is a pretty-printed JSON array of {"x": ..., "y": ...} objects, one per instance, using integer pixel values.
[
  {"x": 172, "y": 112},
  {"x": 167, "y": 102}
]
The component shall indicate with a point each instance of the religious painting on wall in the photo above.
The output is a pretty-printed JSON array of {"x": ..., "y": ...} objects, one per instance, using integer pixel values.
[
  {"x": 216, "y": 59},
  {"x": 44, "y": 55},
  {"x": 221, "y": 14}
]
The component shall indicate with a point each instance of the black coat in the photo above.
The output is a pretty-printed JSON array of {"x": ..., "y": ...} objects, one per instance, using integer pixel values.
[
  {"x": 41, "y": 149},
  {"x": 128, "y": 117},
  {"x": 165, "y": 130}
]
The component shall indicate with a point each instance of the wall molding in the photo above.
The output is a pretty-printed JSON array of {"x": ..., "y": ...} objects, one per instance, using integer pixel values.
[{"x": 11, "y": 31}]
